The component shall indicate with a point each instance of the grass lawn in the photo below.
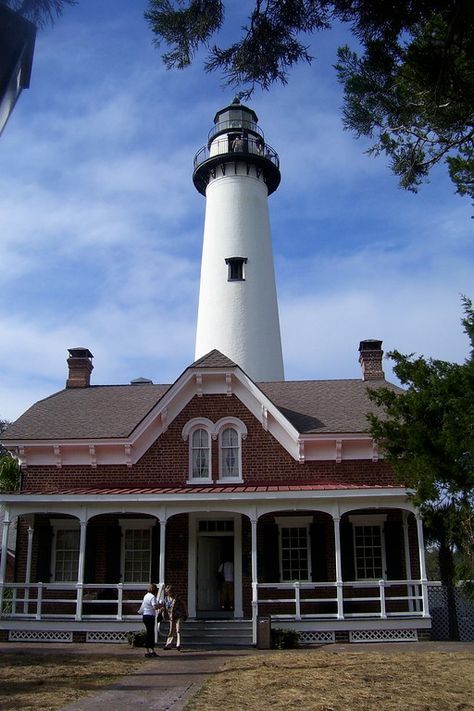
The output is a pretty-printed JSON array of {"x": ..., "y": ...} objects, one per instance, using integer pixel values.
[
  {"x": 323, "y": 681},
  {"x": 312, "y": 680},
  {"x": 48, "y": 682}
]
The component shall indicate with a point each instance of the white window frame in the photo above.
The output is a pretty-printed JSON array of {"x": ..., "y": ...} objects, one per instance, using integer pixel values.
[
  {"x": 198, "y": 423},
  {"x": 376, "y": 521},
  {"x": 294, "y": 522},
  {"x": 64, "y": 525},
  {"x": 134, "y": 524},
  {"x": 239, "y": 427}
]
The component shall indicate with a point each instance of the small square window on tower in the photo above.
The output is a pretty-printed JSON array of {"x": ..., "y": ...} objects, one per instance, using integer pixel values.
[{"x": 236, "y": 268}]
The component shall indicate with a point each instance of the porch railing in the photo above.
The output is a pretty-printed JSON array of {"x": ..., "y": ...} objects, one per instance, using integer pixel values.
[
  {"x": 344, "y": 600},
  {"x": 46, "y": 601},
  {"x": 382, "y": 598}
]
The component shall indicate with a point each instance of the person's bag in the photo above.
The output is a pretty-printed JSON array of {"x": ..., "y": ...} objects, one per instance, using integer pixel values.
[{"x": 159, "y": 617}]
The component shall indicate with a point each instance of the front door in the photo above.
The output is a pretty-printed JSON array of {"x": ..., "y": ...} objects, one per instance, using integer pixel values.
[
  {"x": 210, "y": 556},
  {"x": 213, "y": 540}
]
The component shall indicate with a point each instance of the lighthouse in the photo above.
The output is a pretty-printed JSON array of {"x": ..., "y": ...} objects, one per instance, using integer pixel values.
[{"x": 236, "y": 171}]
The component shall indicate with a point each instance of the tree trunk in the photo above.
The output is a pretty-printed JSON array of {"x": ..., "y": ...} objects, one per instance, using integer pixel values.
[{"x": 446, "y": 569}]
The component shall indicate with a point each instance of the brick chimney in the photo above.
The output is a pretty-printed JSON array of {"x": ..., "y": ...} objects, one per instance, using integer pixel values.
[
  {"x": 370, "y": 359},
  {"x": 80, "y": 368}
]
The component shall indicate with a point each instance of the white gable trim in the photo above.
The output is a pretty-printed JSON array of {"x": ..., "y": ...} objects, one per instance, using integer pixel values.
[{"x": 196, "y": 382}]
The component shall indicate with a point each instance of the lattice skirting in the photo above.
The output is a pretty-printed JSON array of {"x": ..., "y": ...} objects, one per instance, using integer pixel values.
[
  {"x": 106, "y": 637},
  {"x": 438, "y": 596},
  {"x": 309, "y": 637},
  {"x": 383, "y": 636},
  {"x": 38, "y": 636}
]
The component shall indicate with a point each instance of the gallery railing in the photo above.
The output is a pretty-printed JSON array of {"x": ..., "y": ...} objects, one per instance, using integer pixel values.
[{"x": 246, "y": 147}]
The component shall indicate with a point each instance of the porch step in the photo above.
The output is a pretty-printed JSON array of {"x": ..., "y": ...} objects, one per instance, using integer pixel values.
[{"x": 216, "y": 633}]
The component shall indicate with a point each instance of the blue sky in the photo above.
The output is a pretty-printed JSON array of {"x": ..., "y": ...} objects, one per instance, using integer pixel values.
[{"x": 101, "y": 226}]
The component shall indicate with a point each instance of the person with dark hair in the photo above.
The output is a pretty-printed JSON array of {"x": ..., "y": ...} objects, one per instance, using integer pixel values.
[
  {"x": 176, "y": 612},
  {"x": 148, "y": 611}
]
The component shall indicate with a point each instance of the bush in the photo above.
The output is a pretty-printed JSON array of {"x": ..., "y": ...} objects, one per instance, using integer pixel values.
[
  {"x": 7, "y": 601},
  {"x": 284, "y": 639},
  {"x": 136, "y": 639}
]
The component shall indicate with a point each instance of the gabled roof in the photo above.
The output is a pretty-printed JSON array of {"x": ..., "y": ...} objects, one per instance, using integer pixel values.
[
  {"x": 115, "y": 411},
  {"x": 105, "y": 424}
]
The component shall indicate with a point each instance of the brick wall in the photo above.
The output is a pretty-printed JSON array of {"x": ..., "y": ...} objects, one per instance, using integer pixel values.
[{"x": 264, "y": 461}]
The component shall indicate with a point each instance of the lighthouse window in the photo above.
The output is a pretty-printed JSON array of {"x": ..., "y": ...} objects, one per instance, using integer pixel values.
[{"x": 236, "y": 268}]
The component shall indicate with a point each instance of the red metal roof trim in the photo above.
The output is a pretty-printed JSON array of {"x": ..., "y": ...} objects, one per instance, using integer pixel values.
[{"x": 240, "y": 489}]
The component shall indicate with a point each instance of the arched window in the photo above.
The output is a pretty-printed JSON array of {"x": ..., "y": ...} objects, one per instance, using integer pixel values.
[
  {"x": 197, "y": 432},
  {"x": 230, "y": 454},
  {"x": 230, "y": 431},
  {"x": 200, "y": 454}
]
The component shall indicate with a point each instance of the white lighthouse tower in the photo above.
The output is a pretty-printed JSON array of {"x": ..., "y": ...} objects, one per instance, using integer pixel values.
[{"x": 238, "y": 311}]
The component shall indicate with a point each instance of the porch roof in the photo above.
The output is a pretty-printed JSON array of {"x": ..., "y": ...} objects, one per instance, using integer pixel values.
[{"x": 216, "y": 490}]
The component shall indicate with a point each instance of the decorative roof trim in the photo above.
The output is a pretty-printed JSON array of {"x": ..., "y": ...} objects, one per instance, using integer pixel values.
[{"x": 196, "y": 381}]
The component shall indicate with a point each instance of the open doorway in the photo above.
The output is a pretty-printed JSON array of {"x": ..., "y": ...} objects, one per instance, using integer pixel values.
[{"x": 212, "y": 551}]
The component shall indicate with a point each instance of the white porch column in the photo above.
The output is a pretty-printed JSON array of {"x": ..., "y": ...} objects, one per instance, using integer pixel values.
[
  {"x": 29, "y": 554},
  {"x": 3, "y": 562},
  {"x": 80, "y": 571},
  {"x": 423, "y": 578},
  {"x": 253, "y": 524},
  {"x": 406, "y": 546},
  {"x": 161, "y": 562},
  {"x": 339, "y": 583}
]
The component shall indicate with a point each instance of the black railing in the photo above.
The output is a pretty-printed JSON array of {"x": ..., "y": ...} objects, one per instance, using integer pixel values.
[
  {"x": 234, "y": 125},
  {"x": 229, "y": 146}
]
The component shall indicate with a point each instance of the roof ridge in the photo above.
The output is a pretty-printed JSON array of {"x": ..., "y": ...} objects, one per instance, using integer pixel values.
[{"x": 214, "y": 359}]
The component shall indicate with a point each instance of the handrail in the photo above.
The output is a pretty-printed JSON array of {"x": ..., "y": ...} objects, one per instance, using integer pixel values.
[
  {"x": 32, "y": 600},
  {"x": 416, "y": 593},
  {"x": 23, "y": 597},
  {"x": 250, "y": 147},
  {"x": 234, "y": 125}
]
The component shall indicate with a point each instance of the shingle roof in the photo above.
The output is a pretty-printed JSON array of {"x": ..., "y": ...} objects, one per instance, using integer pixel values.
[
  {"x": 99, "y": 411},
  {"x": 318, "y": 406},
  {"x": 114, "y": 411},
  {"x": 214, "y": 359}
]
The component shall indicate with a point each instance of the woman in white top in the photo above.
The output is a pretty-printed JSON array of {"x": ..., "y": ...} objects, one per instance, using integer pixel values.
[{"x": 148, "y": 610}]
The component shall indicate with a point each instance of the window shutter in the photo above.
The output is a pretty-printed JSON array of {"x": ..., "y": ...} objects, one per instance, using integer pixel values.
[
  {"x": 269, "y": 564},
  {"x": 91, "y": 546},
  {"x": 394, "y": 550},
  {"x": 43, "y": 568},
  {"x": 347, "y": 551},
  {"x": 318, "y": 553},
  {"x": 112, "y": 572}
]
